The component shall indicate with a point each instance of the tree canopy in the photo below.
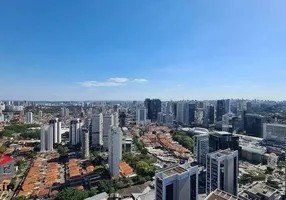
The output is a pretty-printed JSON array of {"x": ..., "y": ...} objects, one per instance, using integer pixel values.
[{"x": 72, "y": 194}]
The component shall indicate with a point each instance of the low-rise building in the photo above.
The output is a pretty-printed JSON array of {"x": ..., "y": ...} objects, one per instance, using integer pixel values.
[
  {"x": 7, "y": 167},
  {"x": 253, "y": 153},
  {"x": 272, "y": 160},
  {"x": 260, "y": 190}
]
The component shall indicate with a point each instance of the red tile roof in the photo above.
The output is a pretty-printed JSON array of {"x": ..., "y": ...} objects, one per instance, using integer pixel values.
[{"x": 5, "y": 159}]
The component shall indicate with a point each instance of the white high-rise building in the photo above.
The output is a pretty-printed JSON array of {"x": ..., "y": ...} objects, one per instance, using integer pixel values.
[
  {"x": 40, "y": 113},
  {"x": 85, "y": 143},
  {"x": 46, "y": 138},
  {"x": 201, "y": 148},
  {"x": 141, "y": 116},
  {"x": 114, "y": 149},
  {"x": 178, "y": 182},
  {"x": 97, "y": 130},
  {"x": 29, "y": 118},
  {"x": 107, "y": 122},
  {"x": 65, "y": 112},
  {"x": 56, "y": 128},
  {"x": 222, "y": 171},
  {"x": 115, "y": 119},
  {"x": 74, "y": 135},
  {"x": 59, "y": 131}
]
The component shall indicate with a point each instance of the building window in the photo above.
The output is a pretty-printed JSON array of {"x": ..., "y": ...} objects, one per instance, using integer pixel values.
[{"x": 170, "y": 192}]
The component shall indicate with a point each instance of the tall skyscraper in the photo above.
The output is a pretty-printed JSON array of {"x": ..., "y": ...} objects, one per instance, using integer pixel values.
[
  {"x": 108, "y": 121},
  {"x": 222, "y": 171},
  {"x": 153, "y": 108},
  {"x": 56, "y": 128},
  {"x": 223, "y": 140},
  {"x": 253, "y": 125},
  {"x": 181, "y": 107},
  {"x": 177, "y": 183},
  {"x": 122, "y": 119},
  {"x": 141, "y": 116},
  {"x": 249, "y": 107},
  {"x": 46, "y": 138},
  {"x": 169, "y": 108},
  {"x": 192, "y": 112},
  {"x": 220, "y": 109},
  {"x": 85, "y": 143},
  {"x": 201, "y": 148},
  {"x": 147, "y": 104},
  {"x": 211, "y": 114},
  {"x": 97, "y": 130},
  {"x": 74, "y": 135},
  {"x": 114, "y": 150},
  {"x": 29, "y": 118},
  {"x": 174, "y": 109},
  {"x": 227, "y": 106}
]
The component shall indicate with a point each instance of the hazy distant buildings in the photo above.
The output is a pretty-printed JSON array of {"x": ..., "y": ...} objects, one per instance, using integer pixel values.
[
  {"x": 177, "y": 183},
  {"x": 249, "y": 107},
  {"x": 56, "y": 129},
  {"x": 85, "y": 143},
  {"x": 46, "y": 138},
  {"x": 141, "y": 116},
  {"x": 114, "y": 150},
  {"x": 97, "y": 130},
  {"x": 40, "y": 113},
  {"x": 201, "y": 148},
  {"x": 222, "y": 171},
  {"x": 29, "y": 118},
  {"x": 74, "y": 135},
  {"x": 253, "y": 125}
]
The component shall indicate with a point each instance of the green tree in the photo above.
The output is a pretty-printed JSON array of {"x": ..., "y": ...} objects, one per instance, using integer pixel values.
[
  {"x": 144, "y": 151},
  {"x": 72, "y": 194},
  {"x": 187, "y": 142},
  {"x": 92, "y": 192},
  {"x": 2, "y": 149}
]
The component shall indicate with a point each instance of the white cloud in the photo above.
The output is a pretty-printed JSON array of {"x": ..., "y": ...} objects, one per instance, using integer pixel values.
[
  {"x": 118, "y": 80},
  {"x": 180, "y": 85},
  {"x": 100, "y": 84},
  {"x": 111, "y": 82},
  {"x": 140, "y": 80}
]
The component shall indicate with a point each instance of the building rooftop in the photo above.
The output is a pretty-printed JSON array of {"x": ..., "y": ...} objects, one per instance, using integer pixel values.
[
  {"x": 5, "y": 159},
  {"x": 175, "y": 170},
  {"x": 220, "y": 195},
  {"x": 259, "y": 189},
  {"x": 221, "y": 153},
  {"x": 222, "y": 133}
]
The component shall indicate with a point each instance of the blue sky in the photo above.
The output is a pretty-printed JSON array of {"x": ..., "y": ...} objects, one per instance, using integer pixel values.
[{"x": 132, "y": 49}]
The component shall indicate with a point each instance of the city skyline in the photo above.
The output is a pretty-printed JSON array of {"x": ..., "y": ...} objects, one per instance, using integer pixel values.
[{"x": 129, "y": 51}]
